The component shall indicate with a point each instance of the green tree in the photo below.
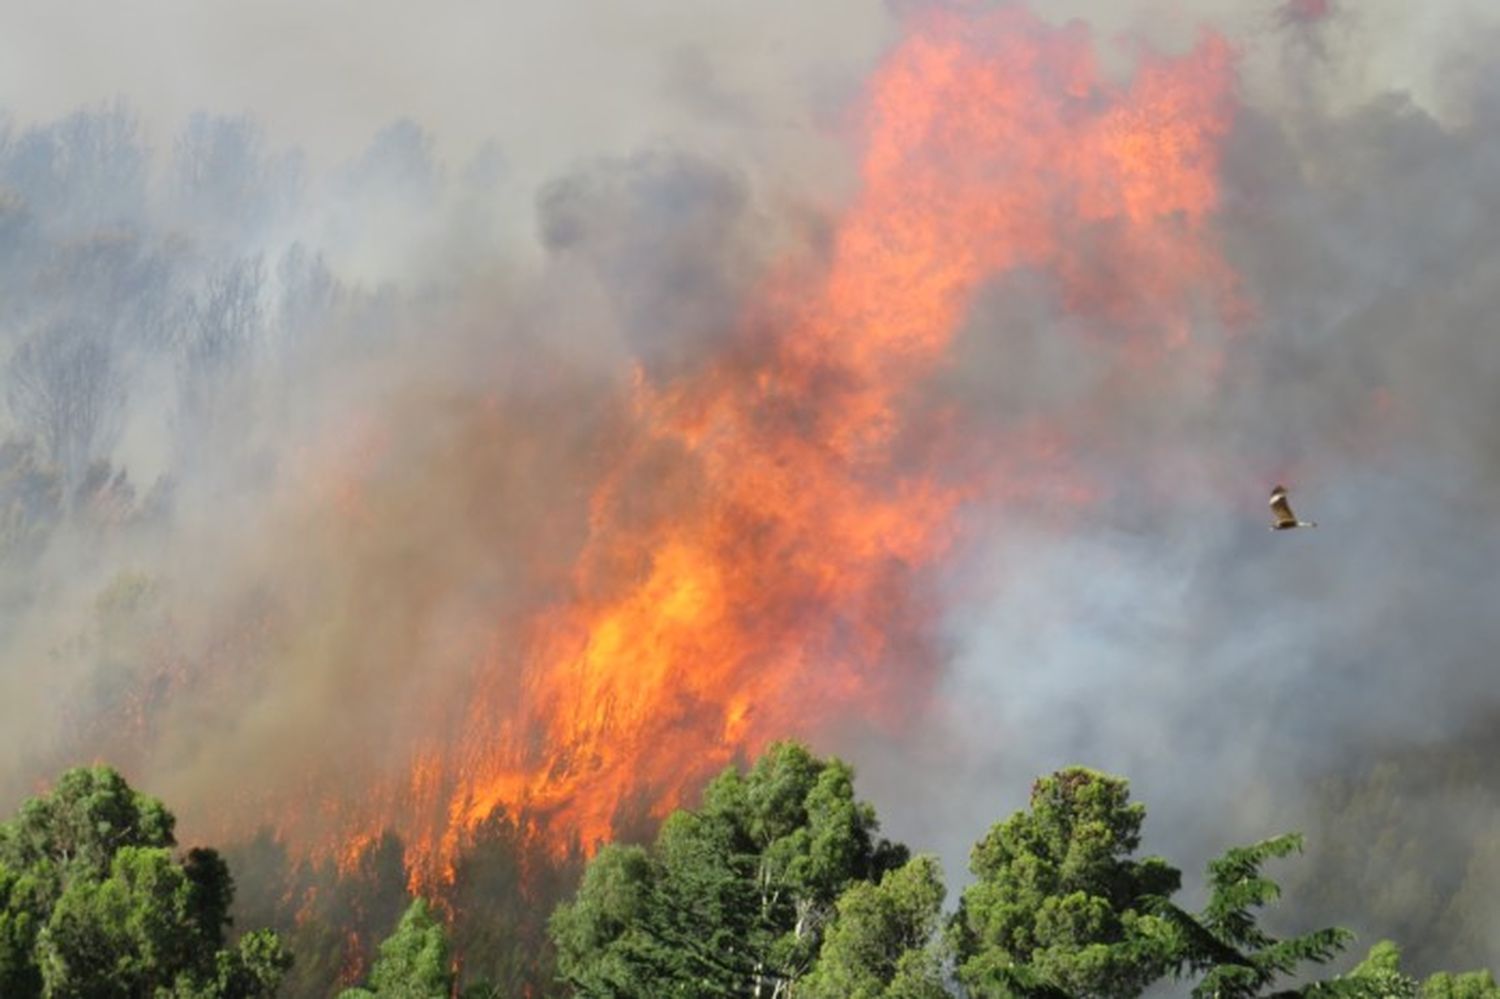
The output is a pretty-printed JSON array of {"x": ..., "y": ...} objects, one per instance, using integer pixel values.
[
  {"x": 414, "y": 962},
  {"x": 93, "y": 903},
  {"x": 1379, "y": 976},
  {"x": 610, "y": 937},
  {"x": 1059, "y": 906},
  {"x": 880, "y": 945},
  {"x": 75, "y": 831},
  {"x": 1464, "y": 985},
  {"x": 732, "y": 898},
  {"x": 20, "y": 922},
  {"x": 254, "y": 969},
  {"x": 126, "y": 935},
  {"x": 1237, "y": 958}
]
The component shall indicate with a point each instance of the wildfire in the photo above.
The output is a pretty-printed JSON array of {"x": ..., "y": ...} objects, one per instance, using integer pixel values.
[
  {"x": 776, "y": 589},
  {"x": 766, "y": 601}
]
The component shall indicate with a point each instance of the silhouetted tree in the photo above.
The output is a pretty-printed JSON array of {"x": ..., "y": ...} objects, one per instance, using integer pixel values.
[
  {"x": 223, "y": 327},
  {"x": 30, "y": 499},
  {"x": 225, "y": 182},
  {"x": 65, "y": 387},
  {"x": 81, "y": 172},
  {"x": 503, "y": 878}
]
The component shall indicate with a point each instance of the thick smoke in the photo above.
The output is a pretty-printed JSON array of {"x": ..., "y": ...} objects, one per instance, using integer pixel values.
[
  {"x": 304, "y": 407},
  {"x": 1338, "y": 681}
]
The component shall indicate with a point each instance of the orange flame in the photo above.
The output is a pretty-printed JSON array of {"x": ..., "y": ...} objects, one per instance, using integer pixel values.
[
  {"x": 775, "y": 589},
  {"x": 769, "y": 599}
]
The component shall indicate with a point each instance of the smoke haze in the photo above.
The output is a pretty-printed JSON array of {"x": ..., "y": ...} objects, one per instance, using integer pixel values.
[{"x": 360, "y": 298}]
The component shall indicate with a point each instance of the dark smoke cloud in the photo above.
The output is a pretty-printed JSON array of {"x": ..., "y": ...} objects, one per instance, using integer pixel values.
[{"x": 665, "y": 238}]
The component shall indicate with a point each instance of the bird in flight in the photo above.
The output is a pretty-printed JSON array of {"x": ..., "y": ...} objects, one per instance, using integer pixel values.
[{"x": 1282, "y": 511}]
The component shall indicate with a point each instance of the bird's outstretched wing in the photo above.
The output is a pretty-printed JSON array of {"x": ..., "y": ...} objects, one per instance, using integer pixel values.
[{"x": 1282, "y": 509}]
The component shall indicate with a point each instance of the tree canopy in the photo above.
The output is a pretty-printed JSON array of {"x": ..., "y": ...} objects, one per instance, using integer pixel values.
[
  {"x": 1225, "y": 943},
  {"x": 881, "y": 944},
  {"x": 414, "y": 961},
  {"x": 94, "y": 903},
  {"x": 731, "y": 899},
  {"x": 777, "y": 886},
  {"x": 1059, "y": 902}
]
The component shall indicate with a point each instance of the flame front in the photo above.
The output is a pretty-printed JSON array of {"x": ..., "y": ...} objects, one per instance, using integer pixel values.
[
  {"x": 773, "y": 596},
  {"x": 776, "y": 590}
]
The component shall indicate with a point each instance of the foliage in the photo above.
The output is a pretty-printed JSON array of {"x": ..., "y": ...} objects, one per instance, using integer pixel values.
[
  {"x": 608, "y": 938},
  {"x": 1061, "y": 906},
  {"x": 76, "y": 830},
  {"x": 1379, "y": 976},
  {"x": 1465, "y": 985},
  {"x": 504, "y": 886},
  {"x": 1225, "y": 944},
  {"x": 328, "y": 915},
  {"x": 777, "y": 886},
  {"x": 731, "y": 899},
  {"x": 254, "y": 969},
  {"x": 20, "y": 923},
  {"x": 1058, "y": 904},
  {"x": 414, "y": 962},
  {"x": 94, "y": 904},
  {"x": 880, "y": 945}
]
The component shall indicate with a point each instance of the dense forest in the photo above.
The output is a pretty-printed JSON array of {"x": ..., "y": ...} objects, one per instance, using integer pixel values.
[{"x": 778, "y": 885}]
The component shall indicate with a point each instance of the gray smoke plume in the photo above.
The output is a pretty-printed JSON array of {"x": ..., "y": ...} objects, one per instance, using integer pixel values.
[
  {"x": 1338, "y": 681},
  {"x": 305, "y": 394}
]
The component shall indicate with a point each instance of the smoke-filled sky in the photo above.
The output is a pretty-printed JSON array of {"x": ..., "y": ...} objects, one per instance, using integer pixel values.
[
  {"x": 363, "y": 297},
  {"x": 552, "y": 83}
]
